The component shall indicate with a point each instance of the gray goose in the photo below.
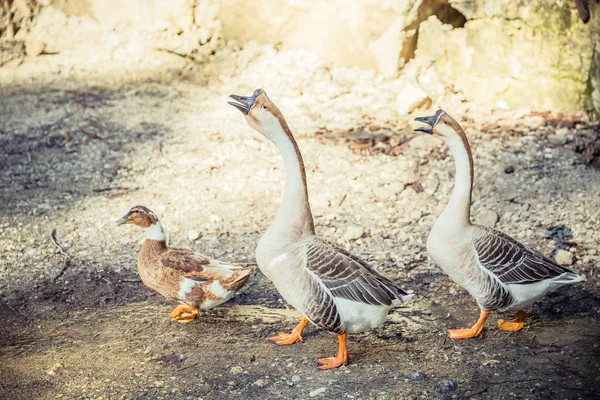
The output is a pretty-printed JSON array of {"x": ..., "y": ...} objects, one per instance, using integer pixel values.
[
  {"x": 499, "y": 272},
  {"x": 194, "y": 280},
  {"x": 330, "y": 287}
]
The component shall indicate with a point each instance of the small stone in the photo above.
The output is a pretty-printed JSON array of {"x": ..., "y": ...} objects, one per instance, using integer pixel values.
[
  {"x": 30, "y": 252},
  {"x": 559, "y": 138},
  {"x": 534, "y": 122},
  {"x": 260, "y": 383},
  {"x": 424, "y": 142},
  {"x": 317, "y": 392},
  {"x": 410, "y": 98},
  {"x": 487, "y": 218},
  {"x": 34, "y": 48},
  {"x": 447, "y": 386},
  {"x": 353, "y": 232},
  {"x": 509, "y": 169},
  {"x": 296, "y": 378},
  {"x": 416, "y": 376},
  {"x": 193, "y": 235},
  {"x": 384, "y": 193},
  {"x": 564, "y": 257},
  {"x": 236, "y": 370},
  {"x": 415, "y": 215}
]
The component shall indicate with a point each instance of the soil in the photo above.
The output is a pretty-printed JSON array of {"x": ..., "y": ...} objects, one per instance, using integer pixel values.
[{"x": 78, "y": 153}]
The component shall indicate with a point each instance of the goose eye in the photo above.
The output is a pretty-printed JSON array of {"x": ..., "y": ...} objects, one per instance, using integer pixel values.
[{"x": 265, "y": 106}]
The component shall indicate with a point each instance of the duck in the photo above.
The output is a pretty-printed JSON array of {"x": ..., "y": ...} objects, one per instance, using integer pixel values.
[
  {"x": 196, "y": 281},
  {"x": 498, "y": 271},
  {"x": 330, "y": 287}
]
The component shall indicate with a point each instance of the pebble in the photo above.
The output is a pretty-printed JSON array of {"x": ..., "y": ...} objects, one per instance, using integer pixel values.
[
  {"x": 353, "y": 232},
  {"x": 447, "y": 386},
  {"x": 564, "y": 257},
  {"x": 559, "y": 138},
  {"x": 260, "y": 383},
  {"x": 317, "y": 392},
  {"x": 34, "y": 48},
  {"x": 296, "y": 378},
  {"x": 416, "y": 376},
  {"x": 509, "y": 169},
  {"x": 534, "y": 122},
  {"x": 487, "y": 218},
  {"x": 236, "y": 370},
  {"x": 193, "y": 235}
]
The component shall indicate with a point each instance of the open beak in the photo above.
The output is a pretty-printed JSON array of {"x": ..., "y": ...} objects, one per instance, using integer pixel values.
[
  {"x": 123, "y": 220},
  {"x": 244, "y": 104},
  {"x": 431, "y": 121}
]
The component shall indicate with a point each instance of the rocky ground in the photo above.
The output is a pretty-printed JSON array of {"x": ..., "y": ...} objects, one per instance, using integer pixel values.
[{"x": 79, "y": 149}]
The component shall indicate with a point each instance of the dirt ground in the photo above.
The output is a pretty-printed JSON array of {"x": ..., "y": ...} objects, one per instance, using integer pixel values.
[{"x": 77, "y": 154}]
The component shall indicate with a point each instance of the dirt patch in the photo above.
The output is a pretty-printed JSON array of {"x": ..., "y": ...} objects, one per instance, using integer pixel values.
[{"x": 76, "y": 157}]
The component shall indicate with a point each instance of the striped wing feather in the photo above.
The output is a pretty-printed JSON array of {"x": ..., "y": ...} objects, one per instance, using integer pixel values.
[
  {"x": 512, "y": 262},
  {"x": 349, "y": 277}
]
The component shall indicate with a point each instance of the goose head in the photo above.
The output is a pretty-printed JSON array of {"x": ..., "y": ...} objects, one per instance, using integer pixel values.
[
  {"x": 261, "y": 113},
  {"x": 140, "y": 216},
  {"x": 441, "y": 125}
]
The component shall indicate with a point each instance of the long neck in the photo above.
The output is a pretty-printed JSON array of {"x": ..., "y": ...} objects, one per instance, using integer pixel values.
[
  {"x": 459, "y": 206},
  {"x": 294, "y": 213}
]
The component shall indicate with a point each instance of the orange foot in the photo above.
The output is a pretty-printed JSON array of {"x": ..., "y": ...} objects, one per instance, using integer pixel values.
[
  {"x": 290, "y": 338},
  {"x": 342, "y": 358},
  {"x": 184, "y": 314},
  {"x": 514, "y": 325},
  {"x": 472, "y": 332}
]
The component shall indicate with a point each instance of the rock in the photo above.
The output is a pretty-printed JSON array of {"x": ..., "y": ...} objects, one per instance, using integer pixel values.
[
  {"x": 236, "y": 370},
  {"x": 534, "y": 122},
  {"x": 317, "y": 392},
  {"x": 260, "y": 383},
  {"x": 559, "y": 138},
  {"x": 193, "y": 234},
  {"x": 447, "y": 386},
  {"x": 34, "y": 48},
  {"x": 296, "y": 378},
  {"x": 424, "y": 142},
  {"x": 384, "y": 192},
  {"x": 30, "y": 252},
  {"x": 564, "y": 258},
  {"x": 410, "y": 98},
  {"x": 416, "y": 376},
  {"x": 353, "y": 232},
  {"x": 509, "y": 169},
  {"x": 415, "y": 215},
  {"x": 487, "y": 218}
]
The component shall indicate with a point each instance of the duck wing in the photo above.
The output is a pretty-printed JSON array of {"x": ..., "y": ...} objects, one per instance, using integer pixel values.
[
  {"x": 349, "y": 277},
  {"x": 513, "y": 263}
]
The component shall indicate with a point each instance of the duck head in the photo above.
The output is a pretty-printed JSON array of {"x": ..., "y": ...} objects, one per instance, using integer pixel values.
[
  {"x": 441, "y": 125},
  {"x": 261, "y": 113},
  {"x": 140, "y": 216}
]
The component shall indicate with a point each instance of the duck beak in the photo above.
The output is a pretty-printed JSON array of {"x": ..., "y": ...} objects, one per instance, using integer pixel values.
[
  {"x": 244, "y": 104},
  {"x": 123, "y": 220},
  {"x": 431, "y": 121}
]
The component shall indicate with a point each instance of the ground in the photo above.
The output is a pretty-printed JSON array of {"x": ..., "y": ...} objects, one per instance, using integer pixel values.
[{"x": 78, "y": 153}]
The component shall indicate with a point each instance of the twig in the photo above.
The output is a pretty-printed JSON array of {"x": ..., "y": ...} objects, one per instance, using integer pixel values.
[
  {"x": 476, "y": 393},
  {"x": 342, "y": 200},
  {"x": 63, "y": 251}
]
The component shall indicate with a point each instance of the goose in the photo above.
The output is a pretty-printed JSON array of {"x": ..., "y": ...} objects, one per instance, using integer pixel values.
[
  {"x": 331, "y": 288},
  {"x": 194, "y": 280},
  {"x": 499, "y": 272}
]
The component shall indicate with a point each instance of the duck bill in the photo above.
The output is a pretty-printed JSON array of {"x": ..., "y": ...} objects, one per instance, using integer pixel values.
[
  {"x": 123, "y": 221},
  {"x": 244, "y": 104},
  {"x": 431, "y": 121}
]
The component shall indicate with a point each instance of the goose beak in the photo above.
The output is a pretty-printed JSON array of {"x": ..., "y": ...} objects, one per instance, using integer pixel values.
[
  {"x": 123, "y": 220},
  {"x": 244, "y": 104},
  {"x": 431, "y": 121}
]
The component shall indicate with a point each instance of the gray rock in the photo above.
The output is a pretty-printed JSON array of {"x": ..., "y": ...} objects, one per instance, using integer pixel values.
[
  {"x": 260, "y": 383},
  {"x": 296, "y": 378},
  {"x": 564, "y": 257},
  {"x": 447, "y": 386},
  {"x": 353, "y": 232},
  {"x": 193, "y": 234},
  {"x": 416, "y": 376},
  {"x": 317, "y": 392},
  {"x": 487, "y": 218},
  {"x": 559, "y": 138}
]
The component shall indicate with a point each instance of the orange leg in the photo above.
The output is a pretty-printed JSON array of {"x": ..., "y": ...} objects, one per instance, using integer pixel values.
[
  {"x": 472, "y": 332},
  {"x": 514, "y": 325},
  {"x": 290, "y": 338},
  {"x": 184, "y": 314},
  {"x": 342, "y": 358}
]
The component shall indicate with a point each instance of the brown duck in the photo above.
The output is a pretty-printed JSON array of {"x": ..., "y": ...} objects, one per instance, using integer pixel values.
[{"x": 194, "y": 280}]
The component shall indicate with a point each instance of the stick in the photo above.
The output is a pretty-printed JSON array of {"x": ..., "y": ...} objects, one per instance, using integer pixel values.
[{"x": 63, "y": 251}]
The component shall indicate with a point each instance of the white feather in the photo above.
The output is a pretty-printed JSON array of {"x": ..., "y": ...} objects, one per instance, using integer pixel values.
[{"x": 155, "y": 232}]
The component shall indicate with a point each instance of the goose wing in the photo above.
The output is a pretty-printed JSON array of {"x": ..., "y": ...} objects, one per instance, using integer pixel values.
[
  {"x": 349, "y": 277},
  {"x": 512, "y": 262}
]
